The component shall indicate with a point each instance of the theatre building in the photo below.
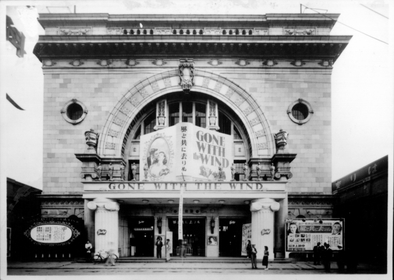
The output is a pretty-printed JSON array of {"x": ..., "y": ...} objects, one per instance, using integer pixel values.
[{"x": 221, "y": 123}]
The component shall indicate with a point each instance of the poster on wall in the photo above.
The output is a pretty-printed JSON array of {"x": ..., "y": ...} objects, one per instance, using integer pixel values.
[
  {"x": 303, "y": 235},
  {"x": 212, "y": 240},
  {"x": 246, "y": 235},
  {"x": 185, "y": 152},
  {"x": 169, "y": 236}
]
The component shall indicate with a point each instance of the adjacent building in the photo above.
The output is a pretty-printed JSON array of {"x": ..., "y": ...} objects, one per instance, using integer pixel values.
[
  {"x": 361, "y": 198},
  {"x": 22, "y": 207},
  {"x": 219, "y": 122}
]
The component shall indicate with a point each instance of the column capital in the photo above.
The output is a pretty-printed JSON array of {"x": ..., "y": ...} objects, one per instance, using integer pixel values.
[
  {"x": 101, "y": 202},
  {"x": 264, "y": 204}
]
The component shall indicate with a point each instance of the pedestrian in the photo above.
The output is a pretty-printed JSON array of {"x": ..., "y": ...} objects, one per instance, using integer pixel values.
[
  {"x": 265, "y": 257},
  {"x": 88, "y": 251},
  {"x": 341, "y": 258},
  {"x": 111, "y": 257},
  {"x": 351, "y": 259},
  {"x": 253, "y": 256},
  {"x": 248, "y": 249},
  {"x": 168, "y": 247},
  {"x": 184, "y": 248},
  {"x": 326, "y": 257},
  {"x": 159, "y": 245},
  {"x": 316, "y": 254}
]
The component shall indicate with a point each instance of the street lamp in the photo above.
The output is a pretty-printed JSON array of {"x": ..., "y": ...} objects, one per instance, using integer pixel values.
[
  {"x": 159, "y": 224},
  {"x": 212, "y": 224}
]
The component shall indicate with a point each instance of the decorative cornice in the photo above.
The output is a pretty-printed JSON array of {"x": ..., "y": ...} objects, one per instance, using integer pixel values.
[{"x": 129, "y": 47}]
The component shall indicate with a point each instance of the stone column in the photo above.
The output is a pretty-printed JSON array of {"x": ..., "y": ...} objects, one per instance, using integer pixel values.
[
  {"x": 106, "y": 224},
  {"x": 263, "y": 225},
  {"x": 89, "y": 223},
  {"x": 280, "y": 218}
]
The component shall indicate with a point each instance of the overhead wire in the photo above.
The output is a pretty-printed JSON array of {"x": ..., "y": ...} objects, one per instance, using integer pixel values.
[
  {"x": 373, "y": 11},
  {"x": 346, "y": 25}
]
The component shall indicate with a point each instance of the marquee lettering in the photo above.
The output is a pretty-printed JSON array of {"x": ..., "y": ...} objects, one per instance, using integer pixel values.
[{"x": 171, "y": 186}]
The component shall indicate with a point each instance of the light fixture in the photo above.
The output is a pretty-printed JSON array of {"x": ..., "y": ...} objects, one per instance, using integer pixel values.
[
  {"x": 246, "y": 201},
  {"x": 170, "y": 201},
  {"x": 145, "y": 201},
  {"x": 212, "y": 224},
  {"x": 222, "y": 201},
  {"x": 159, "y": 224},
  {"x": 196, "y": 201}
]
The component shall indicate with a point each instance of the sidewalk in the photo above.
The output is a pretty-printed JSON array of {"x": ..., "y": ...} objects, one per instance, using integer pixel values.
[{"x": 180, "y": 265}]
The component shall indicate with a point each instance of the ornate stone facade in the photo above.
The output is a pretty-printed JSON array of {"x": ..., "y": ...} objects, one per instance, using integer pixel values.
[{"x": 133, "y": 78}]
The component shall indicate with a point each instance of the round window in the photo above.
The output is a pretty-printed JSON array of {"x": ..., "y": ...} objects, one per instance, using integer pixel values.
[
  {"x": 300, "y": 111},
  {"x": 74, "y": 111}
]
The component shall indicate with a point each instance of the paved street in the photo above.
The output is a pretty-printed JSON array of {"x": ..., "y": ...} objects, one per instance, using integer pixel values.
[{"x": 174, "y": 267}]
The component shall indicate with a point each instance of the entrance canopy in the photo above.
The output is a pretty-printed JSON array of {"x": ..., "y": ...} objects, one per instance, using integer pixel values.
[{"x": 226, "y": 192}]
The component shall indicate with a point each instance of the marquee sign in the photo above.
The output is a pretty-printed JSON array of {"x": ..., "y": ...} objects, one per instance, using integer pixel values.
[{"x": 185, "y": 152}]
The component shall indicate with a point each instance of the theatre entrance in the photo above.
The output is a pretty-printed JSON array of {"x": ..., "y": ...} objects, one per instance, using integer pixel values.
[
  {"x": 141, "y": 236},
  {"x": 230, "y": 237},
  {"x": 193, "y": 236}
]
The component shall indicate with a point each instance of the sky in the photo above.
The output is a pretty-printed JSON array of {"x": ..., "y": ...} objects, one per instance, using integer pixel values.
[{"x": 362, "y": 99}]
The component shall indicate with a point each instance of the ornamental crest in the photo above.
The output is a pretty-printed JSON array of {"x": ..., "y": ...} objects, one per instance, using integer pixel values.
[{"x": 186, "y": 74}]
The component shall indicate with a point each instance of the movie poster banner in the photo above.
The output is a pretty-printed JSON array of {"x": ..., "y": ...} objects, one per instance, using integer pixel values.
[
  {"x": 303, "y": 235},
  {"x": 185, "y": 152}
]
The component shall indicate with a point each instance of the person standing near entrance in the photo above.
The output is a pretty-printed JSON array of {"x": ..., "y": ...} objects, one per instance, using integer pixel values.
[
  {"x": 253, "y": 255},
  {"x": 248, "y": 249},
  {"x": 341, "y": 258},
  {"x": 326, "y": 257},
  {"x": 88, "y": 250},
  {"x": 316, "y": 254},
  {"x": 168, "y": 246},
  {"x": 265, "y": 257},
  {"x": 159, "y": 245}
]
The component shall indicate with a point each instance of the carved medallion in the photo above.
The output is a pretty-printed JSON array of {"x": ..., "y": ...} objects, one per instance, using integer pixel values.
[{"x": 186, "y": 74}]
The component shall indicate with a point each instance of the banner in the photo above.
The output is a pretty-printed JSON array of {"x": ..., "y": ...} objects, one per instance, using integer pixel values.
[
  {"x": 185, "y": 152},
  {"x": 180, "y": 214},
  {"x": 303, "y": 235}
]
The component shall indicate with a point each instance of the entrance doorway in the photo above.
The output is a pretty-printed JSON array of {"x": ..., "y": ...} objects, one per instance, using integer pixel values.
[
  {"x": 193, "y": 236},
  {"x": 141, "y": 236},
  {"x": 230, "y": 237}
]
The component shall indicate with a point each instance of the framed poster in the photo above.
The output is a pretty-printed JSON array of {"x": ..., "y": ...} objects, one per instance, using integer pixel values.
[{"x": 303, "y": 234}]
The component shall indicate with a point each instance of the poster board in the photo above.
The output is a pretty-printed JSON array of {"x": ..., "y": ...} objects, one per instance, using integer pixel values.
[
  {"x": 303, "y": 234},
  {"x": 246, "y": 235}
]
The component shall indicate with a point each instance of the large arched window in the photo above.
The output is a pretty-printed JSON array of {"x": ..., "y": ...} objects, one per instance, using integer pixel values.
[{"x": 201, "y": 110}]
